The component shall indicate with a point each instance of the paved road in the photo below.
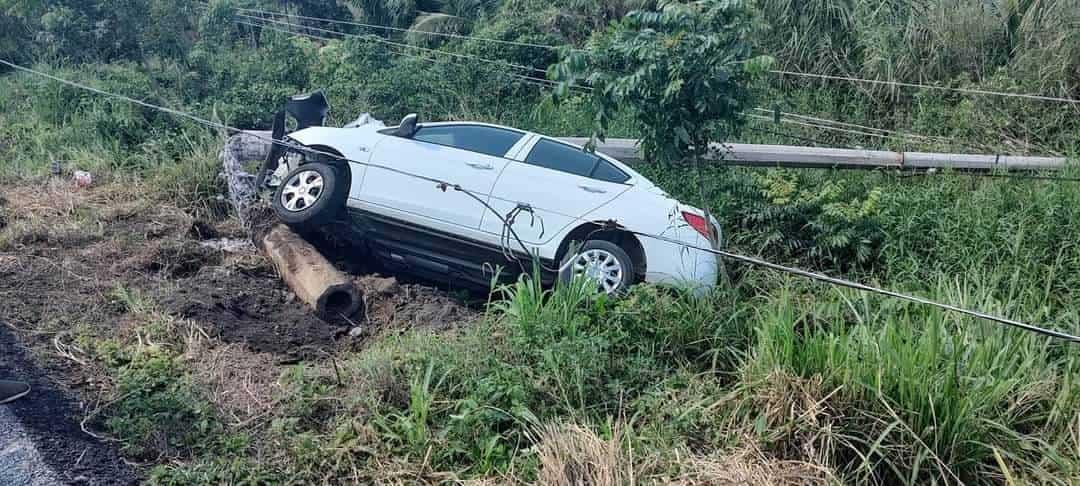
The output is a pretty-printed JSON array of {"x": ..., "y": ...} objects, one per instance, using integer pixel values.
[
  {"x": 41, "y": 442},
  {"x": 20, "y": 461}
]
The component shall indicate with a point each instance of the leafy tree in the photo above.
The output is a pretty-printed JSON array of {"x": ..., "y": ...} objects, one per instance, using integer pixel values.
[{"x": 681, "y": 70}]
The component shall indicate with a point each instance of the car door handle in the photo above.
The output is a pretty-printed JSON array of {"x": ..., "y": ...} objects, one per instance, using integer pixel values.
[
  {"x": 592, "y": 189},
  {"x": 480, "y": 165}
]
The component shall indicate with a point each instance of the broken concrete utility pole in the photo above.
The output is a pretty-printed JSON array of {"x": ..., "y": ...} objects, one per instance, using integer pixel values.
[
  {"x": 753, "y": 155},
  {"x": 308, "y": 274}
]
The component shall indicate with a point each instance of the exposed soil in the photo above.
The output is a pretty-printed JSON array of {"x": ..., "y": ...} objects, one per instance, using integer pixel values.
[
  {"x": 73, "y": 260},
  {"x": 251, "y": 308}
]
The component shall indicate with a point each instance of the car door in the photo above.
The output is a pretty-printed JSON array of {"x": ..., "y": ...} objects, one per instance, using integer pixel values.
[
  {"x": 463, "y": 154},
  {"x": 561, "y": 184}
]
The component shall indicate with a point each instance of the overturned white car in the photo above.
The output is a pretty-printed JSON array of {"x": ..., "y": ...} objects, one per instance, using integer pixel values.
[{"x": 458, "y": 200}]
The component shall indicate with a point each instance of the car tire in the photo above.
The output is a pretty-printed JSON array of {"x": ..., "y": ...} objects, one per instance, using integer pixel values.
[
  {"x": 311, "y": 195},
  {"x": 600, "y": 259}
]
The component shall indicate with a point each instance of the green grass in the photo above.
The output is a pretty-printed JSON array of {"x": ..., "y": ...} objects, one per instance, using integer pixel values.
[{"x": 875, "y": 390}]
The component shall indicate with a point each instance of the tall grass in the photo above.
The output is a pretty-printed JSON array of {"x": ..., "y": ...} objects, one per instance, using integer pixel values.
[
  {"x": 879, "y": 391},
  {"x": 919, "y": 395}
]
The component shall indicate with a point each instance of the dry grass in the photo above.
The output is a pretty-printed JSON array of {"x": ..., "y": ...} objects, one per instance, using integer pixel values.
[
  {"x": 750, "y": 466},
  {"x": 572, "y": 455},
  {"x": 797, "y": 413},
  {"x": 241, "y": 384}
]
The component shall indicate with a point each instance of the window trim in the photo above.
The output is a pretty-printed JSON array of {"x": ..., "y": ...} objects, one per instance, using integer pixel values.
[
  {"x": 504, "y": 155},
  {"x": 592, "y": 171}
]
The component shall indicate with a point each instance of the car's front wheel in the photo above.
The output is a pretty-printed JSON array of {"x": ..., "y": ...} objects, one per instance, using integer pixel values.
[
  {"x": 602, "y": 262},
  {"x": 310, "y": 195}
]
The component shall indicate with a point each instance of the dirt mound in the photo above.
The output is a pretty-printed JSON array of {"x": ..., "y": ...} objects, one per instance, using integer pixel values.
[
  {"x": 252, "y": 308},
  {"x": 395, "y": 307}
]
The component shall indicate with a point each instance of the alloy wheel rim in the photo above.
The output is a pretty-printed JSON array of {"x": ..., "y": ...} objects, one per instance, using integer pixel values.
[
  {"x": 601, "y": 267},
  {"x": 302, "y": 190}
]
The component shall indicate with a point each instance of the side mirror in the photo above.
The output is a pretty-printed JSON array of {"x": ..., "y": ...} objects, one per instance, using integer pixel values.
[{"x": 408, "y": 126}]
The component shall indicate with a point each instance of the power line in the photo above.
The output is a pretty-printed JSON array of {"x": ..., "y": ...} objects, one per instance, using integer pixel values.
[
  {"x": 821, "y": 127},
  {"x": 544, "y": 83},
  {"x": 399, "y": 44},
  {"x": 448, "y": 185},
  {"x": 815, "y": 141},
  {"x": 805, "y": 118},
  {"x": 927, "y": 86},
  {"x": 862, "y": 127},
  {"x": 414, "y": 31},
  {"x": 438, "y": 182},
  {"x": 866, "y": 288}
]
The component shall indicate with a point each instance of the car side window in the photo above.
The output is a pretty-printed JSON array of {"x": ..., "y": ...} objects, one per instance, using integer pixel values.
[
  {"x": 607, "y": 172},
  {"x": 562, "y": 157},
  {"x": 474, "y": 138},
  {"x": 572, "y": 160}
]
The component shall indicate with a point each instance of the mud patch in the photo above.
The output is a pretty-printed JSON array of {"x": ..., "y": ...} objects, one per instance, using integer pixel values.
[
  {"x": 181, "y": 259},
  {"x": 202, "y": 230},
  {"x": 395, "y": 307},
  {"x": 254, "y": 309}
]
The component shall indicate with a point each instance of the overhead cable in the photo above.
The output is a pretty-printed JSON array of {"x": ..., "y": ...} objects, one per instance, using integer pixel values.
[
  {"x": 412, "y": 31},
  {"x": 821, "y": 127},
  {"x": 448, "y": 185},
  {"x": 927, "y": 86},
  {"x": 438, "y": 182},
  {"x": 521, "y": 77},
  {"x": 400, "y": 44},
  {"x": 867, "y": 288},
  {"x": 901, "y": 133}
]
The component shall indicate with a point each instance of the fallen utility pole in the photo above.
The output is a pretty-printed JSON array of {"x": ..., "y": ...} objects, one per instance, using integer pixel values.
[
  {"x": 754, "y": 155},
  {"x": 311, "y": 277}
]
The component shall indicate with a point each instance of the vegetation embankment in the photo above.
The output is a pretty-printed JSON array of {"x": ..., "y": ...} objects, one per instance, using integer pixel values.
[{"x": 771, "y": 378}]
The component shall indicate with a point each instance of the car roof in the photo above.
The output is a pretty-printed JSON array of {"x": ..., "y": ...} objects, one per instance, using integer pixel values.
[{"x": 638, "y": 178}]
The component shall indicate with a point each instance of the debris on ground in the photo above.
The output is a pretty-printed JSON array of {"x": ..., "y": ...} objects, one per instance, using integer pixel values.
[
  {"x": 82, "y": 178},
  {"x": 72, "y": 251}
]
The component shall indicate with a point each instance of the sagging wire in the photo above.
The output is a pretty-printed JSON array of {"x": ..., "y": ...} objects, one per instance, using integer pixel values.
[
  {"x": 542, "y": 82},
  {"x": 508, "y": 226},
  {"x": 413, "y": 31},
  {"x": 440, "y": 184},
  {"x": 899, "y": 133},
  {"x": 927, "y": 86},
  {"x": 511, "y": 218},
  {"x": 839, "y": 282},
  {"x": 608, "y": 225},
  {"x": 400, "y": 44}
]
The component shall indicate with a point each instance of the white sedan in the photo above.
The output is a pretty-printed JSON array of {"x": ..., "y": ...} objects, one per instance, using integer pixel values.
[{"x": 574, "y": 212}]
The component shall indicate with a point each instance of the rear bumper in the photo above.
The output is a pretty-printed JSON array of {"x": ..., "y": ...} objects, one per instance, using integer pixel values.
[{"x": 679, "y": 265}]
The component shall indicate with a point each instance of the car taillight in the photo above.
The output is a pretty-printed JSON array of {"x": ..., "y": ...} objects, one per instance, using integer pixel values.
[{"x": 697, "y": 222}]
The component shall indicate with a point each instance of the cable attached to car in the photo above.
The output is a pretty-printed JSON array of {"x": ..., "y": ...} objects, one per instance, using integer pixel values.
[
  {"x": 604, "y": 225},
  {"x": 839, "y": 282}
]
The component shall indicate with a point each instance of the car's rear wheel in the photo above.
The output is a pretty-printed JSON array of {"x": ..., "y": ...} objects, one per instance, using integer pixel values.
[
  {"x": 602, "y": 262},
  {"x": 310, "y": 195}
]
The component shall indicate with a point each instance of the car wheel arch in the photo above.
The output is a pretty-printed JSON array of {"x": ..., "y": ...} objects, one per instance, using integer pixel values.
[
  {"x": 338, "y": 161},
  {"x": 597, "y": 231}
]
